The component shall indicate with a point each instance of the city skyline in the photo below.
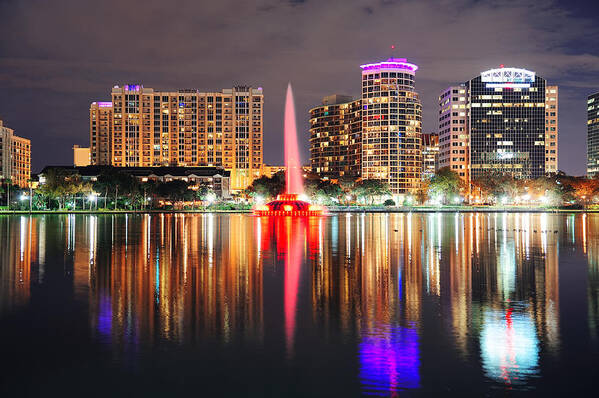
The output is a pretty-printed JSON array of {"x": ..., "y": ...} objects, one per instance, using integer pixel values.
[{"x": 56, "y": 84}]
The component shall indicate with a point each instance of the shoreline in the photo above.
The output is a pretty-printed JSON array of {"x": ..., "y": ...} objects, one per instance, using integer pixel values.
[{"x": 331, "y": 211}]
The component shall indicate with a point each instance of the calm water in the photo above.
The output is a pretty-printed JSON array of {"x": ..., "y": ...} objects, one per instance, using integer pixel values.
[{"x": 346, "y": 305}]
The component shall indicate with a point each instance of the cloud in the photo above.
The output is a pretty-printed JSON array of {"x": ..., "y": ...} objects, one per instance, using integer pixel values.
[{"x": 75, "y": 47}]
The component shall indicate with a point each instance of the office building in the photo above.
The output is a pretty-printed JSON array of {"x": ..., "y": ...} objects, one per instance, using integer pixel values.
[
  {"x": 507, "y": 123},
  {"x": 453, "y": 131},
  {"x": 15, "y": 157},
  {"x": 81, "y": 156},
  {"x": 430, "y": 154},
  {"x": 504, "y": 121},
  {"x": 593, "y": 135},
  {"x": 391, "y": 125},
  {"x": 188, "y": 128},
  {"x": 335, "y": 137},
  {"x": 551, "y": 133}
]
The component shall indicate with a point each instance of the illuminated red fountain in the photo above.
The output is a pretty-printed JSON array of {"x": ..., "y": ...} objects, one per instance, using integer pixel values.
[{"x": 288, "y": 204}]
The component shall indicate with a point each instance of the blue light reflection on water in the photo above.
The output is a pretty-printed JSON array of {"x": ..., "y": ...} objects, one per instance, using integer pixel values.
[{"x": 509, "y": 346}]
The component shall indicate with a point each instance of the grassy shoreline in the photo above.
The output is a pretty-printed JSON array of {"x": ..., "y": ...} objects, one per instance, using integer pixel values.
[{"x": 333, "y": 210}]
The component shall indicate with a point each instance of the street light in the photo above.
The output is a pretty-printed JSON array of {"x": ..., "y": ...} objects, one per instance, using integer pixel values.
[
  {"x": 91, "y": 198},
  {"x": 210, "y": 198}
]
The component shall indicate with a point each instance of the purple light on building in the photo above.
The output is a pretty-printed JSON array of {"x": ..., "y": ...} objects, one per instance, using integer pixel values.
[
  {"x": 391, "y": 63},
  {"x": 105, "y": 104},
  {"x": 132, "y": 87}
]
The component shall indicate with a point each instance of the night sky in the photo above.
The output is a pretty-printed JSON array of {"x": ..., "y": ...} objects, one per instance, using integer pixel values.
[{"x": 58, "y": 56}]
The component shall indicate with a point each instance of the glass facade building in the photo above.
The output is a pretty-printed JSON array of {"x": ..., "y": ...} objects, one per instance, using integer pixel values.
[
  {"x": 335, "y": 137},
  {"x": 593, "y": 135},
  {"x": 507, "y": 123},
  {"x": 391, "y": 125},
  {"x": 430, "y": 154}
]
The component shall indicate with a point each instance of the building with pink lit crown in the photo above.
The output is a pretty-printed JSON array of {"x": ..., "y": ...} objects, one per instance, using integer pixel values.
[{"x": 391, "y": 125}]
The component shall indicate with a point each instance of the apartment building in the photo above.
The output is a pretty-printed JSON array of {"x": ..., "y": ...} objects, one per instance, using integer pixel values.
[
  {"x": 336, "y": 137},
  {"x": 188, "y": 128},
  {"x": 15, "y": 157}
]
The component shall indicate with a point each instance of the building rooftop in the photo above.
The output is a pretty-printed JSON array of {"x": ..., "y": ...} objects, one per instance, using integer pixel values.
[
  {"x": 201, "y": 171},
  {"x": 391, "y": 63}
]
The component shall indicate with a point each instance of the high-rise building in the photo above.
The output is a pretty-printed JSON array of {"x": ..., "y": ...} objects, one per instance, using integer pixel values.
[
  {"x": 593, "y": 135},
  {"x": 335, "y": 137},
  {"x": 551, "y": 133},
  {"x": 507, "y": 123},
  {"x": 453, "y": 131},
  {"x": 100, "y": 133},
  {"x": 15, "y": 157},
  {"x": 391, "y": 125},
  {"x": 81, "y": 156},
  {"x": 503, "y": 121},
  {"x": 188, "y": 128},
  {"x": 430, "y": 154}
]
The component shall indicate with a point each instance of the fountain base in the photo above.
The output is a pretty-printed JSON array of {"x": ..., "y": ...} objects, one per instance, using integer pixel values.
[{"x": 288, "y": 205}]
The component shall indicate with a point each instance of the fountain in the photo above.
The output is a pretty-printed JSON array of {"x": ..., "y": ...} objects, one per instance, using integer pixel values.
[{"x": 289, "y": 204}]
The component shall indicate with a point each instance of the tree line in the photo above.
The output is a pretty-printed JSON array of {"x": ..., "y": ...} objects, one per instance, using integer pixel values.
[{"x": 113, "y": 189}]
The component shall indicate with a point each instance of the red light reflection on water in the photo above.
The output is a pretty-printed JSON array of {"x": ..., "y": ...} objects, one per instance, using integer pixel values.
[{"x": 291, "y": 237}]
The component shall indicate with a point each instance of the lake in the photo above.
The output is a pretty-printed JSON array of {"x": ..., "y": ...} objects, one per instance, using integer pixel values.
[{"x": 464, "y": 304}]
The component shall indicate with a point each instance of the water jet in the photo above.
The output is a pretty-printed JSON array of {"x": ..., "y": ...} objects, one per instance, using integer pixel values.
[{"x": 289, "y": 204}]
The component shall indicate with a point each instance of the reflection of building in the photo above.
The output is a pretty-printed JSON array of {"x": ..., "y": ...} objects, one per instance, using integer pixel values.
[
  {"x": 15, "y": 157},
  {"x": 19, "y": 252},
  {"x": 502, "y": 121},
  {"x": 391, "y": 125},
  {"x": 509, "y": 346},
  {"x": 593, "y": 135},
  {"x": 174, "y": 277},
  {"x": 184, "y": 128},
  {"x": 376, "y": 292},
  {"x": 335, "y": 137},
  {"x": 81, "y": 156},
  {"x": 430, "y": 154}
]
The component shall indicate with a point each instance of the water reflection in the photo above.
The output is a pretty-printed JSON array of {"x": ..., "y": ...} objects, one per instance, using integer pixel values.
[{"x": 400, "y": 292}]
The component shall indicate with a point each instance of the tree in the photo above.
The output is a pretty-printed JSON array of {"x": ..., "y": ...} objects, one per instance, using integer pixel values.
[
  {"x": 113, "y": 181},
  {"x": 369, "y": 190},
  {"x": 446, "y": 185},
  {"x": 267, "y": 187},
  {"x": 322, "y": 191},
  {"x": 56, "y": 186}
]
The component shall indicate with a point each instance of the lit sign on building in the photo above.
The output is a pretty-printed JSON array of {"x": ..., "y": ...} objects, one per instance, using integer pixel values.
[
  {"x": 508, "y": 78},
  {"x": 132, "y": 87}
]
